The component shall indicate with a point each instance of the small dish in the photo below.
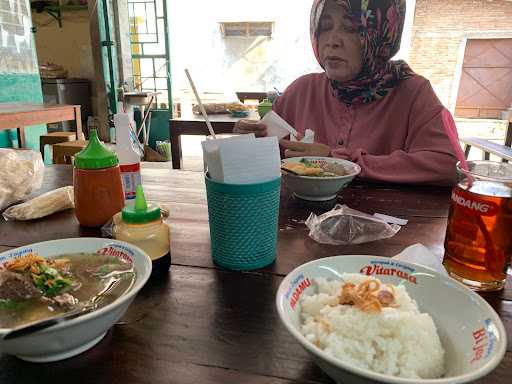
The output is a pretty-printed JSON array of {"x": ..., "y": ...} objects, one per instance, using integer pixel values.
[{"x": 239, "y": 113}]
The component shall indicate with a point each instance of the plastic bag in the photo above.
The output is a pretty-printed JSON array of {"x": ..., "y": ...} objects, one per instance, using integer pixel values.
[
  {"x": 21, "y": 173},
  {"x": 44, "y": 205},
  {"x": 107, "y": 230},
  {"x": 164, "y": 148},
  {"x": 343, "y": 225}
]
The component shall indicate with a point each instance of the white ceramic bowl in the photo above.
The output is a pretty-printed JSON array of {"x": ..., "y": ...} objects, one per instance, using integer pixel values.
[
  {"x": 457, "y": 312},
  {"x": 320, "y": 188},
  {"x": 77, "y": 335}
]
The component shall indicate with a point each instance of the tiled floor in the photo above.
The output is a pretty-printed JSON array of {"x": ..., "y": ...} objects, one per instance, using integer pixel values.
[{"x": 192, "y": 152}]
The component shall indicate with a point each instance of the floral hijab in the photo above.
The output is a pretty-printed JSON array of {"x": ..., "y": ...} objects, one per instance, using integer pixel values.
[{"x": 380, "y": 24}]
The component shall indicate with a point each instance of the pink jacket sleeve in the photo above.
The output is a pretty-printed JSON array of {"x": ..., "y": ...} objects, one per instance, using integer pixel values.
[{"x": 430, "y": 153}]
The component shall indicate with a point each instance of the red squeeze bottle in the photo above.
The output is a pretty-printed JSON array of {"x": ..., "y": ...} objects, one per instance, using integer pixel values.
[{"x": 97, "y": 183}]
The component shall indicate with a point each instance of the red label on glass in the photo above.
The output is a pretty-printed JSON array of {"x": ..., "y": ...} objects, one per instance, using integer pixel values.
[{"x": 474, "y": 204}]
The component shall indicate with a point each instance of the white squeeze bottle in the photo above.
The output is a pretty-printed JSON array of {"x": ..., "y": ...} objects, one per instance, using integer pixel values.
[{"x": 129, "y": 157}]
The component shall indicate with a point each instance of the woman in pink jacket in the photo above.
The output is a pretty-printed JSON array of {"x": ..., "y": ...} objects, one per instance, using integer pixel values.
[{"x": 365, "y": 107}]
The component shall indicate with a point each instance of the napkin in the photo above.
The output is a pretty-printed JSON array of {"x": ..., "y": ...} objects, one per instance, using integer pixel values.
[
  {"x": 277, "y": 126},
  {"x": 419, "y": 254},
  {"x": 309, "y": 136},
  {"x": 243, "y": 159},
  {"x": 211, "y": 154}
]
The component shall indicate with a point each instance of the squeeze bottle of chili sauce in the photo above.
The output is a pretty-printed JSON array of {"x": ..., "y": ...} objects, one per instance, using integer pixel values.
[
  {"x": 97, "y": 183},
  {"x": 129, "y": 158},
  {"x": 141, "y": 224}
]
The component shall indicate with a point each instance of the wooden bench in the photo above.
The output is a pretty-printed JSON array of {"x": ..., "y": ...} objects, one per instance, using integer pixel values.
[
  {"x": 54, "y": 138},
  {"x": 488, "y": 147},
  {"x": 63, "y": 152}
]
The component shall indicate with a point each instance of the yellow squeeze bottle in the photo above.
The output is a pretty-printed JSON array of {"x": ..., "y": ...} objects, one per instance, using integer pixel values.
[{"x": 142, "y": 225}]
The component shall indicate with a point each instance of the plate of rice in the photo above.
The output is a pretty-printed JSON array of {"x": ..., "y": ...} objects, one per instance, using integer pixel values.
[{"x": 371, "y": 319}]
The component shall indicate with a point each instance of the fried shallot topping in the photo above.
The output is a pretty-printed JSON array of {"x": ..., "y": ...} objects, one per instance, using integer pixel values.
[
  {"x": 367, "y": 296},
  {"x": 24, "y": 263}
]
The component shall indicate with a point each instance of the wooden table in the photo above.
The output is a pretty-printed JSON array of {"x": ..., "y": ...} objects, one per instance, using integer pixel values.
[
  {"x": 196, "y": 125},
  {"x": 22, "y": 115},
  {"x": 206, "y": 325}
]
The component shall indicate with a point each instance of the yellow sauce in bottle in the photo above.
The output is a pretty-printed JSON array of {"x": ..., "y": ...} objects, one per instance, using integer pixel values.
[{"x": 142, "y": 226}]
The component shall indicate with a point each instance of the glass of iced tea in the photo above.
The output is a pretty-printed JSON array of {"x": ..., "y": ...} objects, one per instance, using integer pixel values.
[{"x": 478, "y": 243}]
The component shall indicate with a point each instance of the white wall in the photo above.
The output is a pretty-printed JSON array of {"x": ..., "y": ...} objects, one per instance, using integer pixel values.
[
  {"x": 405, "y": 46},
  {"x": 246, "y": 64},
  {"x": 239, "y": 64},
  {"x": 69, "y": 45}
]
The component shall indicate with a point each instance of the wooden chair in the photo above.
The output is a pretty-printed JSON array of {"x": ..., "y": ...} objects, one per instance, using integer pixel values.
[
  {"x": 54, "y": 138},
  {"x": 63, "y": 152},
  {"x": 488, "y": 147}
]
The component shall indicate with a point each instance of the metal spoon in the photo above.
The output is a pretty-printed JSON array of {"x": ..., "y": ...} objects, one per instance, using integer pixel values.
[{"x": 35, "y": 326}]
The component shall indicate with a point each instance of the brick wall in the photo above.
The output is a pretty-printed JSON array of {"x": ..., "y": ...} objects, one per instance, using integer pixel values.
[{"x": 440, "y": 27}]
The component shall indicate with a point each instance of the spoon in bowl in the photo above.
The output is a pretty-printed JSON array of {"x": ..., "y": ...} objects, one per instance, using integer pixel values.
[{"x": 38, "y": 325}]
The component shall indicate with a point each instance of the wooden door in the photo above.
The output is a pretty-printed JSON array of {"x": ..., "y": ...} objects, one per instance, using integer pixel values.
[{"x": 486, "y": 83}]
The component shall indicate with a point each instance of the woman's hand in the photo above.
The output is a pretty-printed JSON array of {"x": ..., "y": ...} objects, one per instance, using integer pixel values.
[
  {"x": 342, "y": 153},
  {"x": 298, "y": 149},
  {"x": 244, "y": 126}
]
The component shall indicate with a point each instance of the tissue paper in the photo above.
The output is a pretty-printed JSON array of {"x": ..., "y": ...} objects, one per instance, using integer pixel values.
[
  {"x": 278, "y": 127},
  {"x": 419, "y": 254},
  {"x": 243, "y": 159},
  {"x": 309, "y": 137},
  {"x": 248, "y": 162},
  {"x": 211, "y": 154}
]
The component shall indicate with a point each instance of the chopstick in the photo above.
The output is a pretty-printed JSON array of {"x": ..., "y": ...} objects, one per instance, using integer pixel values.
[{"x": 203, "y": 111}]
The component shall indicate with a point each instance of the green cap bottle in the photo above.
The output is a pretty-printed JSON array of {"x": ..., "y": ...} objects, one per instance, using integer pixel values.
[
  {"x": 95, "y": 155},
  {"x": 140, "y": 212},
  {"x": 264, "y": 107}
]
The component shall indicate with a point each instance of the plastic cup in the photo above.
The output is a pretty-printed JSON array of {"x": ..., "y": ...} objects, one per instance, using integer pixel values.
[{"x": 243, "y": 223}]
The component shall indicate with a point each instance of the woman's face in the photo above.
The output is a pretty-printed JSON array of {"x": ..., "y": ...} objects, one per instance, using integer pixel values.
[{"x": 339, "y": 44}]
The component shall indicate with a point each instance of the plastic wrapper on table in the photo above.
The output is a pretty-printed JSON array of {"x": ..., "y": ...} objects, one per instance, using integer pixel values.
[
  {"x": 343, "y": 225},
  {"x": 21, "y": 173},
  {"x": 41, "y": 206}
]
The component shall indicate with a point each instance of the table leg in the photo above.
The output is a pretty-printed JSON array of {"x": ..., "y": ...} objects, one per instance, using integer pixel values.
[
  {"x": 41, "y": 148},
  {"x": 467, "y": 149},
  {"x": 175, "y": 149},
  {"x": 21, "y": 137},
  {"x": 78, "y": 123}
]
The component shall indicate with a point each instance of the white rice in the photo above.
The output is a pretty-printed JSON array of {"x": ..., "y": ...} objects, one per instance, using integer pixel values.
[{"x": 396, "y": 341}]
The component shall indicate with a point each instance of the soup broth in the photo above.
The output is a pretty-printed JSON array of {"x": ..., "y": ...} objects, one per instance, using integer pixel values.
[{"x": 79, "y": 278}]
